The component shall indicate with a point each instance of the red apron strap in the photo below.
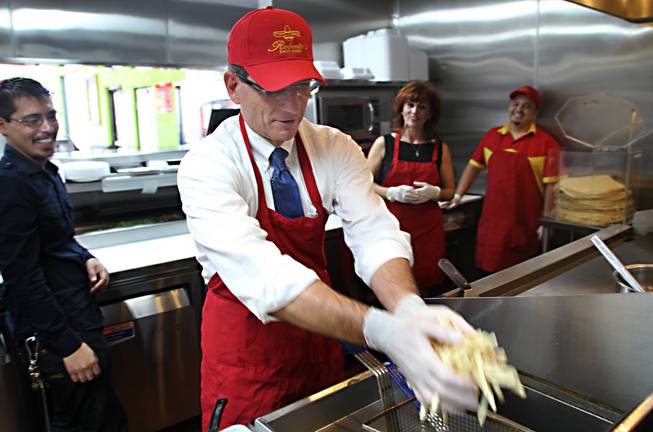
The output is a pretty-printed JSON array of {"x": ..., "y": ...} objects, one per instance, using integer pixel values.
[{"x": 395, "y": 149}]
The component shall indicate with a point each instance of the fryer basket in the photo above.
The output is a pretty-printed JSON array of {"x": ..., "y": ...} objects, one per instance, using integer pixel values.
[{"x": 404, "y": 417}]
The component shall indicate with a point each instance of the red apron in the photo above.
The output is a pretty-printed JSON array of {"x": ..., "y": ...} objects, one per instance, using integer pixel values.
[
  {"x": 422, "y": 221},
  {"x": 262, "y": 367},
  {"x": 507, "y": 230}
]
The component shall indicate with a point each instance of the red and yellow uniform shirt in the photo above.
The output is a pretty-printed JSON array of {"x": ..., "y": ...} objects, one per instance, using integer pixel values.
[
  {"x": 541, "y": 149},
  {"x": 517, "y": 172}
]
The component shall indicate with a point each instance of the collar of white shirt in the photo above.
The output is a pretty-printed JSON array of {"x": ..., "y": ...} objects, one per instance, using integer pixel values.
[{"x": 262, "y": 148}]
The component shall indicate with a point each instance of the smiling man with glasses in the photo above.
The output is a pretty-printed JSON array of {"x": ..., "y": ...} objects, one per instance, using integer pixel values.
[
  {"x": 36, "y": 120},
  {"x": 522, "y": 163},
  {"x": 30, "y": 127},
  {"x": 257, "y": 193},
  {"x": 49, "y": 277}
]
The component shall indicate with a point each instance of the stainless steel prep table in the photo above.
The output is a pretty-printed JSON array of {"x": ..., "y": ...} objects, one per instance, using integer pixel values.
[
  {"x": 151, "y": 310},
  {"x": 595, "y": 276}
]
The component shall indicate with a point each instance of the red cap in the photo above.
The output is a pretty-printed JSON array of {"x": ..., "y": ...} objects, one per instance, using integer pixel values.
[
  {"x": 275, "y": 46},
  {"x": 529, "y": 92}
]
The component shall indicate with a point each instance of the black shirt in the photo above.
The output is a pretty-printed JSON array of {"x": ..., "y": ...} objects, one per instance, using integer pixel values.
[
  {"x": 407, "y": 152},
  {"x": 47, "y": 286}
]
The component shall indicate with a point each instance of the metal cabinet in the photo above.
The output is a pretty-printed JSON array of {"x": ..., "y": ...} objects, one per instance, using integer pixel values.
[{"x": 152, "y": 322}]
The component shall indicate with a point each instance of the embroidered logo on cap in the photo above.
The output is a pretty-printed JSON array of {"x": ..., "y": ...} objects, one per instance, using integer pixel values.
[{"x": 284, "y": 43}]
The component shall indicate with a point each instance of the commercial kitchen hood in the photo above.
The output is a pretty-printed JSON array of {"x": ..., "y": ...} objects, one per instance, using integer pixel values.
[{"x": 639, "y": 11}]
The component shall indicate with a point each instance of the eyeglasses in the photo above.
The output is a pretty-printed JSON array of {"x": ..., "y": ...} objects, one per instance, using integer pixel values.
[
  {"x": 303, "y": 88},
  {"x": 36, "y": 120}
]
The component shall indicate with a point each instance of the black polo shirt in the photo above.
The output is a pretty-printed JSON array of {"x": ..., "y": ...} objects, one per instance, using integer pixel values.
[{"x": 46, "y": 283}]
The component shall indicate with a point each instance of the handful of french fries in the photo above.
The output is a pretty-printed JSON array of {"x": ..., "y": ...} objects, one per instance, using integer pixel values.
[{"x": 479, "y": 356}]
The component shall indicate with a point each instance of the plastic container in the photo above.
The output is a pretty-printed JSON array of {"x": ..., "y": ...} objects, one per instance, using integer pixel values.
[
  {"x": 354, "y": 52},
  {"x": 596, "y": 188},
  {"x": 387, "y": 55},
  {"x": 86, "y": 171},
  {"x": 356, "y": 73},
  {"x": 328, "y": 69},
  {"x": 385, "y": 52}
]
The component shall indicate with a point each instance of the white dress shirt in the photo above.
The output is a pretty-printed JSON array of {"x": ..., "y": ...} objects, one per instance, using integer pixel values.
[{"x": 219, "y": 195}]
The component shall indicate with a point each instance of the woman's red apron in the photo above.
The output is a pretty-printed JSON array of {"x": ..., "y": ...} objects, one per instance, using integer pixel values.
[
  {"x": 260, "y": 368},
  {"x": 507, "y": 230},
  {"x": 422, "y": 221}
]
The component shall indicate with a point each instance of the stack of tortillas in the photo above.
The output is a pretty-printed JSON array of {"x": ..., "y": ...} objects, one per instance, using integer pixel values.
[{"x": 593, "y": 200}]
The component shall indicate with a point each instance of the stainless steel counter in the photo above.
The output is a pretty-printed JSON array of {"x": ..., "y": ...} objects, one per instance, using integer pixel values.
[
  {"x": 597, "y": 346},
  {"x": 595, "y": 275},
  {"x": 540, "y": 269},
  {"x": 152, "y": 312},
  {"x": 131, "y": 248},
  {"x": 123, "y": 158}
]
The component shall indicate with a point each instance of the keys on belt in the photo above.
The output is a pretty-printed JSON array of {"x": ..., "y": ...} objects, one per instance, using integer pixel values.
[{"x": 32, "y": 349}]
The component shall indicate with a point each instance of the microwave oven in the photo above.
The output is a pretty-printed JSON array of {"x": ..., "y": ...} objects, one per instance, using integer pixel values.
[{"x": 357, "y": 116}]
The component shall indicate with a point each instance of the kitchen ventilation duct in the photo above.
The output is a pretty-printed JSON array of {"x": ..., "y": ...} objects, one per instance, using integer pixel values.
[{"x": 638, "y": 11}]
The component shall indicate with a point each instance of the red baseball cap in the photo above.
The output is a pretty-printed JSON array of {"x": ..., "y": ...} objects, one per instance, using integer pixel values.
[
  {"x": 527, "y": 91},
  {"x": 275, "y": 46}
]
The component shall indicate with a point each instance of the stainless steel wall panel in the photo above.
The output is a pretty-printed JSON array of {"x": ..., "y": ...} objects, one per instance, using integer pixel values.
[
  {"x": 478, "y": 51},
  {"x": 583, "y": 51},
  {"x": 6, "y": 49},
  {"x": 198, "y": 30},
  {"x": 334, "y": 21},
  {"x": 115, "y": 32}
]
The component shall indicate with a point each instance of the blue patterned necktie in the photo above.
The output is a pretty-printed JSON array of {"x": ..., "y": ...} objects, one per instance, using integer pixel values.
[{"x": 284, "y": 187}]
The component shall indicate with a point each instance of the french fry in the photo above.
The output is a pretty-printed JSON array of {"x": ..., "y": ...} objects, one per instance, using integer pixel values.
[
  {"x": 479, "y": 357},
  {"x": 481, "y": 414}
]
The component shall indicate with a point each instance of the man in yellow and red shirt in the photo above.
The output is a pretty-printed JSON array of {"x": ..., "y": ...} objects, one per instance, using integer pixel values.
[{"x": 522, "y": 162}]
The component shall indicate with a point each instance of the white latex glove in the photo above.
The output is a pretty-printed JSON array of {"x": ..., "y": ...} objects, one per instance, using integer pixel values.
[
  {"x": 455, "y": 201},
  {"x": 407, "y": 344},
  {"x": 436, "y": 320},
  {"x": 403, "y": 194},
  {"x": 426, "y": 192},
  {"x": 237, "y": 428}
]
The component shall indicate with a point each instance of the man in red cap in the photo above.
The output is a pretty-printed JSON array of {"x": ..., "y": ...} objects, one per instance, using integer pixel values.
[
  {"x": 257, "y": 194},
  {"x": 522, "y": 164}
]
